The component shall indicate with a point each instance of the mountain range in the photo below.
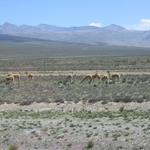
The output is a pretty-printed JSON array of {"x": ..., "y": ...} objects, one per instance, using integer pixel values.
[{"x": 108, "y": 35}]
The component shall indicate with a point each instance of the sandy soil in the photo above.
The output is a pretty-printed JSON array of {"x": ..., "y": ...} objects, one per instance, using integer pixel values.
[
  {"x": 71, "y": 106},
  {"x": 81, "y": 72}
]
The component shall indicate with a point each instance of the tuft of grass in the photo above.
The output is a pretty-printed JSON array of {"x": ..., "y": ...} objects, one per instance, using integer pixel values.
[
  {"x": 90, "y": 144},
  {"x": 69, "y": 144},
  {"x": 121, "y": 109},
  {"x": 13, "y": 147}
]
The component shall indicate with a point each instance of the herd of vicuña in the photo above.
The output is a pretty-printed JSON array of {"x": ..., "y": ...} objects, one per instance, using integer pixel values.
[
  {"x": 11, "y": 77},
  {"x": 103, "y": 77}
]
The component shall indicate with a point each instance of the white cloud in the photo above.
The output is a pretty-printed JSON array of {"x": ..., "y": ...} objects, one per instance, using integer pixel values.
[
  {"x": 96, "y": 24},
  {"x": 144, "y": 24}
]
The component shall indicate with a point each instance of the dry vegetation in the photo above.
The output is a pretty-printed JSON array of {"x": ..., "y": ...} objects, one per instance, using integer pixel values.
[
  {"x": 49, "y": 112},
  {"x": 49, "y": 88}
]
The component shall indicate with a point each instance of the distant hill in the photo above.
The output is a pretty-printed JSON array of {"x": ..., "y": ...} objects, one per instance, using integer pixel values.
[
  {"x": 112, "y": 34},
  {"x": 51, "y": 41},
  {"x": 26, "y": 47},
  {"x": 12, "y": 38}
]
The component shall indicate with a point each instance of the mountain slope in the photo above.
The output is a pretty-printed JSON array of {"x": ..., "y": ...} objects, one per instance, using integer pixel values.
[
  {"x": 112, "y": 34},
  {"x": 12, "y": 38}
]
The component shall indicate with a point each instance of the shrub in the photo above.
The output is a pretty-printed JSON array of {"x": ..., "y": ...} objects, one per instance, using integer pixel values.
[
  {"x": 124, "y": 99},
  {"x": 26, "y": 103},
  {"x": 90, "y": 144}
]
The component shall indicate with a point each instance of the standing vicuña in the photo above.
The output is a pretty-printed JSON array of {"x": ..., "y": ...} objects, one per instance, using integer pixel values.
[
  {"x": 91, "y": 78},
  {"x": 114, "y": 77},
  {"x": 29, "y": 75}
]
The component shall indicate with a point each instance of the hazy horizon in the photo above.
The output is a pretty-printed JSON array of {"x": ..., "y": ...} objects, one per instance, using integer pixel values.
[{"x": 90, "y": 25}]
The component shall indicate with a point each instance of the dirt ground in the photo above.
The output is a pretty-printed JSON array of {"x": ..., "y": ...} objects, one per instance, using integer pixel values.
[
  {"x": 80, "y": 72},
  {"x": 62, "y": 126},
  {"x": 71, "y": 106}
]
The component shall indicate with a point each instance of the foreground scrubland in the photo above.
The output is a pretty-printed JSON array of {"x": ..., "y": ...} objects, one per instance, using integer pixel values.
[{"x": 46, "y": 114}]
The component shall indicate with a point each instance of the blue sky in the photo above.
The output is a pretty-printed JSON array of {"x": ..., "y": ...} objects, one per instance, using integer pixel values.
[{"x": 127, "y": 13}]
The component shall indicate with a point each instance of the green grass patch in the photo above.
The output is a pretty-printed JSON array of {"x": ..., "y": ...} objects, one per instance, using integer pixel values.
[{"x": 83, "y": 114}]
